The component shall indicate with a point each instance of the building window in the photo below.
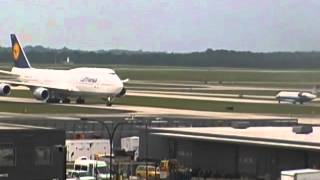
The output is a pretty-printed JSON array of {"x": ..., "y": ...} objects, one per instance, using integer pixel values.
[
  {"x": 42, "y": 155},
  {"x": 7, "y": 155}
]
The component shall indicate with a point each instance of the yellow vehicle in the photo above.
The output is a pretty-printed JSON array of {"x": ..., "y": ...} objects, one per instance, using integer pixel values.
[
  {"x": 164, "y": 169},
  {"x": 166, "y": 165},
  {"x": 141, "y": 171}
]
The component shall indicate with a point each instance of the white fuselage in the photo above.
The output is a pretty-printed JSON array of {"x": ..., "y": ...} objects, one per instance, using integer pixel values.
[
  {"x": 295, "y": 96},
  {"x": 78, "y": 81}
]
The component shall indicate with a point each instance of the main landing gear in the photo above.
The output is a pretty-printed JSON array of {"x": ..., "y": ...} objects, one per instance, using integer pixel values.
[
  {"x": 58, "y": 100},
  {"x": 66, "y": 101},
  {"x": 53, "y": 100},
  {"x": 80, "y": 100}
]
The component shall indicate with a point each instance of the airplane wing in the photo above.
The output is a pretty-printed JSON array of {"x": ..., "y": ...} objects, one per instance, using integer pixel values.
[
  {"x": 34, "y": 85},
  {"x": 8, "y": 73},
  {"x": 125, "y": 80}
]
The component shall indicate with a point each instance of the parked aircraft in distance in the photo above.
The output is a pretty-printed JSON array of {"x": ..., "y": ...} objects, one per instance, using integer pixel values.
[
  {"x": 55, "y": 86},
  {"x": 295, "y": 96}
]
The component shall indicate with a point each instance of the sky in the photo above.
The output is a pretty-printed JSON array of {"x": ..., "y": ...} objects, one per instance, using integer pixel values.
[{"x": 164, "y": 25}]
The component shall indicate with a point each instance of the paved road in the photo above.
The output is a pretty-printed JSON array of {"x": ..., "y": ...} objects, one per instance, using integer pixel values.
[
  {"x": 207, "y": 98},
  {"x": 224, "y": 95},
  {"x": 142, "y": 110}
]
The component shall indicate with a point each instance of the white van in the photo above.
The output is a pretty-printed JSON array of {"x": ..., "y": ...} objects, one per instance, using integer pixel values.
[
  {"x": 94, "y": 168},
  {"x": 79, "y": 175}
]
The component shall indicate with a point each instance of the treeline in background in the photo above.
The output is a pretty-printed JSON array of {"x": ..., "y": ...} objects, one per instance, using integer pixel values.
[{"x": 208, "y": 58}]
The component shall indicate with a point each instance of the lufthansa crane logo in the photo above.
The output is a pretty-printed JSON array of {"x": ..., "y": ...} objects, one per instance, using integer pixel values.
[{"x": 16, "y": 51}]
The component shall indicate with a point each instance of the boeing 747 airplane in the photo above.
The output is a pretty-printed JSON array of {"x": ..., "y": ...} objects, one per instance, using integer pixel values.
[{"x": 55, "y": 86}]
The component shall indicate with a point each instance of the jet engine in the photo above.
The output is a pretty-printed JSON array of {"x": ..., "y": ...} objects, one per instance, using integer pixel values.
[
  {"x": 5, "y": 89},
  {"x": 122, "y": 92},
  {"x": 41, "y": 93}
]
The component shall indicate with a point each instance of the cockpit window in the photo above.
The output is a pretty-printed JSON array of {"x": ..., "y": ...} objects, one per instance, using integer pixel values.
[{"x": 112, "y": 73}]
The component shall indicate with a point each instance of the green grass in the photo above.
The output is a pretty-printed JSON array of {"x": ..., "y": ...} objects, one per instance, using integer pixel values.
[
  {"x": 216, "y": 106},
  {"x": 209, "y": 75},
  {"x": 220, "y": 75},
  {"x": 21, "y": 93}
]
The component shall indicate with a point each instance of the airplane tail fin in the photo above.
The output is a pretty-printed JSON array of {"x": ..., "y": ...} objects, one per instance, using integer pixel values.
[
  {"x": 19, "y": 57},
  {"x": 315, "y": 89}
]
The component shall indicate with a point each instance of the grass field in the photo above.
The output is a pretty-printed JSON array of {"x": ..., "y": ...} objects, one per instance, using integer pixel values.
[
  {"x": 198, "y": 76},
  {"x": 155, "y": 73},
  {"x": 216, "y": 106},
  {"x": 221, "y": 76}
]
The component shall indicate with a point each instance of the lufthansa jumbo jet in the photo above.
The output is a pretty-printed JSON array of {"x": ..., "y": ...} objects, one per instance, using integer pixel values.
[{"x": 55, "y": 86}]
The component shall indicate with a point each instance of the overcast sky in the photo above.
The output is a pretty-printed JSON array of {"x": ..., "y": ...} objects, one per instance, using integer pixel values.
[{"x": 173, "y": 26}]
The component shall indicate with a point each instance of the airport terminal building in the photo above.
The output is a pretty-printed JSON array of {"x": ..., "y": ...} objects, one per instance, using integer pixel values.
[
  {"x": 29, "y": 152},
  {"x": 255, "y": 152},
  {"x": 260, "y": 151}
]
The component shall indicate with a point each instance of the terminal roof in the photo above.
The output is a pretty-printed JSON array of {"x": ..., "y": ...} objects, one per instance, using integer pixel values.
[{"x": 265, "y": 136}]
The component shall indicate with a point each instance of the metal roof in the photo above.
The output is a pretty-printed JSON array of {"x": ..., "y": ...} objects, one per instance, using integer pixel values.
[
  {"x": 265, "y": 136},
  {"x": 8, "y": 126}
]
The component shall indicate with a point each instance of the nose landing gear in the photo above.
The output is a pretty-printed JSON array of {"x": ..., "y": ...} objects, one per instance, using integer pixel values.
[{"x": 109, "y": 101}]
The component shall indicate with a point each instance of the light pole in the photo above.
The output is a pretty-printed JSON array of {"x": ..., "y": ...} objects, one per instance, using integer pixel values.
[
  {"x": 146, "y": 158},
  {"x": 111, "y": 134}
]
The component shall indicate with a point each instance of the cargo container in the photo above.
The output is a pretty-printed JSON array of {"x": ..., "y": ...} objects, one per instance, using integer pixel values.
[
  {"x": 131, "y": 144},
  {"x": 86, "y": 147}
]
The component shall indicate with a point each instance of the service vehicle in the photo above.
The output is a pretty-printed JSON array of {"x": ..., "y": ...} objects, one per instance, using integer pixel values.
[
  {"x": 142, "y": 171},
  {"x": 94, "y": 168},
  {"x": 79, "y": 175},
  {"x": 301, "y": 174}
]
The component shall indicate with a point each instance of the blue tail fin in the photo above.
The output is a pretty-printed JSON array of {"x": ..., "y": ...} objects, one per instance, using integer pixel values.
[{"x": 19, "y": 57}]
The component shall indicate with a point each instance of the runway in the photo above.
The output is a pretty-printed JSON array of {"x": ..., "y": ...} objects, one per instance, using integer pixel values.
[
  {"x": 224, "y": 95},
  {"x": 152, "y": 112},
  {"x": 191, "y": 85},
  {"x": 143, "y": 110},
  {"x": 205, "y": 96},
  {"x": 184, "y": 95}
]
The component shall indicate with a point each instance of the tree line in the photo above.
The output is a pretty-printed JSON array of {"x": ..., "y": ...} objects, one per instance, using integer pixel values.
[{"x": 207, "y": 58}]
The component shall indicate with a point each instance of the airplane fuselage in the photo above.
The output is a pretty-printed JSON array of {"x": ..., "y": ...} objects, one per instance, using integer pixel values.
[
  {"x": 55, "y": 86},
  {"x": 78, "y": 81},
  {"x": 295, "y": 96}
]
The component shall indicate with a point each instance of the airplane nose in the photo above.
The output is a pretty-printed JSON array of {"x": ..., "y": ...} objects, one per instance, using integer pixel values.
[
  {"x": 120, "y": 89},
  {"x": 311, "y": 96},
  {"x": 122, "y": 92}
]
